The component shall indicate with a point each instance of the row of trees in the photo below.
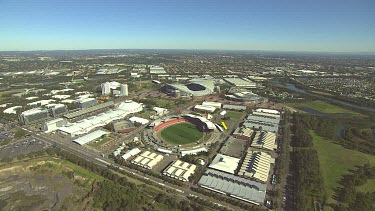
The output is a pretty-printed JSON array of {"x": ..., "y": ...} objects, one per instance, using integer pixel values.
[{"x": 307, "y": 183}]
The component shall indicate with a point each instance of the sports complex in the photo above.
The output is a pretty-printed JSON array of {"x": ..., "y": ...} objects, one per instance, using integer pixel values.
[{"x": 184, "y": 129}]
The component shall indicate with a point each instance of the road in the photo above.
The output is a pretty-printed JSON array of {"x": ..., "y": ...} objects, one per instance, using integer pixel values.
[{"x": 94, "y": 156}]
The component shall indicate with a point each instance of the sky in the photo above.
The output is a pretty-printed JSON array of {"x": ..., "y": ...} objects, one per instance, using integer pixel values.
[{"x": 275, "y": 25}]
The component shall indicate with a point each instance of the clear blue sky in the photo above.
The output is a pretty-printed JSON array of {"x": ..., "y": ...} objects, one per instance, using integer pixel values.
[{"x": 290, "y": 25}]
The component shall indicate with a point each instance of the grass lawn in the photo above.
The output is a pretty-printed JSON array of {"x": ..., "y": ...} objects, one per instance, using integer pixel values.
[
  {"x": 233, "y": 114},
  {"x": 182, "y": 133},
  {"x": 323, "y": 107},
  {"x": 100, "y": 142},
  {"x": 369, "y": 186},
  {"x": 336, "y": 160}
]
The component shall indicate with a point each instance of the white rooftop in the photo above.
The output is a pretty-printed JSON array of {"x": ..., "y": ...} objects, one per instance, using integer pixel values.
[
  {"x": 224, "y": 163},
  {"x": 90, "y": 137}
]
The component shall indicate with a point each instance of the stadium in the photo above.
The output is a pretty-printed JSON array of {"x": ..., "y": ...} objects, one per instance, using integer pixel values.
[
  {"x": 193, "y": 88},
  {"x": 183, "y": 129}
]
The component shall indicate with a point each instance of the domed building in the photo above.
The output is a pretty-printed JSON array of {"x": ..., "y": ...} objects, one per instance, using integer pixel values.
[{"x": 195, "y": 87}]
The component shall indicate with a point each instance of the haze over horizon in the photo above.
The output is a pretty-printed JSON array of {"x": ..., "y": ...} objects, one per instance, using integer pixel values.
[{"x": 321, "y": 26}]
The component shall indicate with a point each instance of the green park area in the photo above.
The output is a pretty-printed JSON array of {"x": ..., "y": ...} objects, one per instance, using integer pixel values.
[
  {"x": 322, "y": 107},
  {"x": 182, "y": 133},
  {"x": 335, "y": 161}
]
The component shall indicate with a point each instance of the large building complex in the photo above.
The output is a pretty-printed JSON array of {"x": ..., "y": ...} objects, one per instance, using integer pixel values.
[
  {"x": 86, "y": 125},
  {"x": 33, "y": 115},
  {"x": 180, "y": 170},
  {"x": 264, "y": 140}
]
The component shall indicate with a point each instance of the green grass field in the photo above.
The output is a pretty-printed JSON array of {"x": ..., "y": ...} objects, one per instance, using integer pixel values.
[
  {"x": 182, "y": 133},
  {"x": 234, "y": 114},
  {"x": 323, "y": 107},
  {"x": 336, "y": 160}
]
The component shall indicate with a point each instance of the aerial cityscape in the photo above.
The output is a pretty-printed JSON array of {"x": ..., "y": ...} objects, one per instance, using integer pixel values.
[{"x": 187, "y": 106}]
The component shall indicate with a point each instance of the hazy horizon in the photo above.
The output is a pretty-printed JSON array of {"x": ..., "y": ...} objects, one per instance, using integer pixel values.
[{"x": 290, "y": 26}]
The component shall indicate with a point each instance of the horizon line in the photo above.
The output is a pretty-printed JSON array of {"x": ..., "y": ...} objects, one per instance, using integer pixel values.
[{"x": 193, "y": 49}]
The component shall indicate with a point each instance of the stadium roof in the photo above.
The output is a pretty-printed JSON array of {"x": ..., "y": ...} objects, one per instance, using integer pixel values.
[
  {"x": 90, "y": 137},
  {"x": 224, "y": 163},
  {"x": 196, "y": 87}
]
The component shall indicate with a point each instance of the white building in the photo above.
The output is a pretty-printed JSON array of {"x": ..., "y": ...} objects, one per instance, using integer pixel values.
[
  {"x": 130, "y": 153},
  {"x": 124, "y": 90},
  {"x": 90, "y": 137},
  {"x": 180, "y": 170},
  {"x": 147, "y": 159},
  {"x": 106, "y": 90},
  {"x": 224, "y": 163},
  {"x": 53, "y": 125},
  {"x": 256, "y": 165}
]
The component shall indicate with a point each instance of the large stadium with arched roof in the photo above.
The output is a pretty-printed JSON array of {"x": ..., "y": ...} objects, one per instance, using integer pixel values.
[{"x": 195, "y": 87}]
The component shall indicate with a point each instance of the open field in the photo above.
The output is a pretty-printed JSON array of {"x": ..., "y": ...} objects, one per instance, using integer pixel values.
[
  {"x": 182, "y": 133},
  {"x": 234, "y": 114},
  {"x": 323, "y": 107},
  {"x": 335, "y": 161},
  {"x": 45, "y": 184}
]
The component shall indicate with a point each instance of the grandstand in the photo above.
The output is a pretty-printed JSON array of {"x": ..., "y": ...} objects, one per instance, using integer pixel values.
[{"x": 168, "y": 123}]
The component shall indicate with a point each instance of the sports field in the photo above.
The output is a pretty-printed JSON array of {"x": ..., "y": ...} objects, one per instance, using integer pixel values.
[
  {"x": 182, "y": 133},
  {"x": 323, "y": 107},
  {"x": 335, "y": 160}
]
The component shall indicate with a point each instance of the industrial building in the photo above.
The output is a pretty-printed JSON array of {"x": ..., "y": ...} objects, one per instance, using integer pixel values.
[
  {"x": 53, "y": 125},
  {"x": 238, "y": 82},
  {"x": 123, "y": 126},
  {"x": 234, "y": 107},
  {"x": 267, "y": 112},
  {"x": 236, "y": 187},
  {"x": 204, "y": 108},
  {"x": 256, "y": 165},
  {"x": 130, "y": 153},
  {"x": 263, "y": 118},
  {"x": 90, "y": 137},
  {"x": 33, "y": 115},
  {"x": 180, "y": 170},
  {"x": 263, "y": 126},
  {"x": 86, "y": 102},
  {"x": 246, "y": 97},
  {"x": 147, "y": 159},
  {"x": 243, "y": 133},
  {"x": 224, "y": 163},
  {"x": 157, "y": 70},
  {"x": 264, "y": 140},
  {"x": 86, "y": 125},
  {"x": 213, "y": 104}
]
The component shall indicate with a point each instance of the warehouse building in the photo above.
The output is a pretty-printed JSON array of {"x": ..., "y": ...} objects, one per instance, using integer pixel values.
[
  {"x": 238, "y": 82},
  {"x": 265, "y": 140},
  {"x": 180, "y": 170},
  {"x": 263, "y": 126},
  {"x": 236, "y": 187},
  {"x": 53, "y": 125},
  {"x": 256, "y": 165},
  {"x": 246, "y": 97},
  {"x": 234, "y": 107},
  {"x": 224, "y": 163},
  {"x": 267, "y": 112},
  {"x": 263, "y": 118},
  {"x": 147, "y": 159},
  {"x": 33, "y": 115},
  {"x": 130, "y": 153}
]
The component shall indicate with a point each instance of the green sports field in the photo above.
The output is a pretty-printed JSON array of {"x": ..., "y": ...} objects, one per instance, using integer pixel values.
[{"x": 182, "y": 133}]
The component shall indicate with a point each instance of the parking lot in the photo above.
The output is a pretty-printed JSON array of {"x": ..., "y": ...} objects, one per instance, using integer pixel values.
[{"x": 23, "y": 146}]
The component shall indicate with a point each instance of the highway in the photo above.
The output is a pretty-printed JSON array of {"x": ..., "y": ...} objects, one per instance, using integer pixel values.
[{"x": 94, "y": 156}]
